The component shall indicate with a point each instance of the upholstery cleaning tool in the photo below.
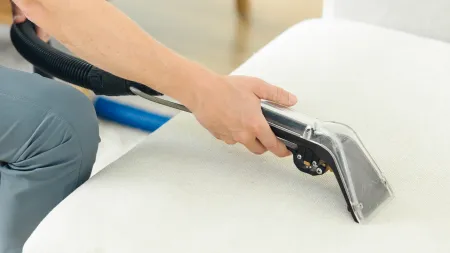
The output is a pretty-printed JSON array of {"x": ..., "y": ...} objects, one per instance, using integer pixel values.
[{"x": 317, "y": 147}]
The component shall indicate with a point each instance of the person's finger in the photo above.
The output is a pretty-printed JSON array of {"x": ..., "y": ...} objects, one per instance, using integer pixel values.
[
  {"x": 227, "y": 139},
  {"x": 268, "y": 139},
  {"x": 253, "y": 145},
  {"x": 42, "y": 34},
  {"x": 18, "y": 15},
  {"x": 216, "y": 135},
  {"x": 250, "y": 142},
  {"x": 275, "y": 94}
]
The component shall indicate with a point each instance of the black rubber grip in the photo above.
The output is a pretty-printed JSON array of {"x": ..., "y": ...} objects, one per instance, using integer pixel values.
[{"x": 69, "y": 68}]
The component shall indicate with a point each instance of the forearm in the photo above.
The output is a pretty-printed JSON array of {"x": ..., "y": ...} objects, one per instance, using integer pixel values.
[{"x": 99, "y": 33}]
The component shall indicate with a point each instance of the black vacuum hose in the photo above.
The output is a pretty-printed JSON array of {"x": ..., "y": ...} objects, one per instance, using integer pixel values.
[{"x": 73, "y": 70}]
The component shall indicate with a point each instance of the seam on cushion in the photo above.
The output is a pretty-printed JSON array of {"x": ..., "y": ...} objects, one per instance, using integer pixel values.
[{"x": 57, "y": 116}]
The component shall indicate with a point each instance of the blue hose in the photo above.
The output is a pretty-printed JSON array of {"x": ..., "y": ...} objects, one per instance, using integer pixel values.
[{"x": 128, "y": 115}]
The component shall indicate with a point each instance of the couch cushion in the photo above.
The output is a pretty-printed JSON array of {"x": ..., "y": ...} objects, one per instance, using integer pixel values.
[{"x": 182, "y": 191}]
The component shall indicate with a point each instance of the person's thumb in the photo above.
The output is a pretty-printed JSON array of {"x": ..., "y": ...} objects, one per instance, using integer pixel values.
[
  {"x": 18, "y": 15},
  {"x": 275, "y": 94}
]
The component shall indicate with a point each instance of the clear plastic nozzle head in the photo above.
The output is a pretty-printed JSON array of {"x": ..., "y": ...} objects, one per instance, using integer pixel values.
[
  {"x": 366, "y": 187},
  {"x": 361, "y": 181}
]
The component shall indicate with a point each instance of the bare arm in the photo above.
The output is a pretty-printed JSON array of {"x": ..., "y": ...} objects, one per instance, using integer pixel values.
[
  {"x": 96, "y": 31},
  {"x": 99, "y": 33}
]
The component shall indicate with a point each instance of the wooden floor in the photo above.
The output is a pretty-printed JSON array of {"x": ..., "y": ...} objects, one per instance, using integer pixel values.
[{"x": 208, "y": 31}]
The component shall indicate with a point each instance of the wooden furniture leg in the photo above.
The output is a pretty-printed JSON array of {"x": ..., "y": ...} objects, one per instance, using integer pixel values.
[
  {"x": 243, "y": 8},
  {"x": 5, "y": 12}
]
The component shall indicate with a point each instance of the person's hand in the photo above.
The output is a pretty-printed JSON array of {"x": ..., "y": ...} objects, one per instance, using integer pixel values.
[
  {"x": 231, "y": 110},
  {"x": 19, "y": 17}
]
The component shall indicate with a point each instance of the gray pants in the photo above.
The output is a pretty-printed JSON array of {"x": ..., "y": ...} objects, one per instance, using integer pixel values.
[{"x": 48, "y": 144}]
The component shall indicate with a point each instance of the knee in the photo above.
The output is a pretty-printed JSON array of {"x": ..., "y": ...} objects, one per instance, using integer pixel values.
[
  {"x": 46, "y": 113},
  {"x": 55, "y": 147},
  {"x": 79, "y": 114},
  {"x": 65, "y": 135}
]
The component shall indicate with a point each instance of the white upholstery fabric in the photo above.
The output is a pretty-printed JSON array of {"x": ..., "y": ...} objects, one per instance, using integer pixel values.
[
  {"x": 428, "y": 18},
  {"x": 183, "y": 191}
]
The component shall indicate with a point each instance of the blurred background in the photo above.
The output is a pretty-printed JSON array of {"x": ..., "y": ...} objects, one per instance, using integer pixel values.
[
  {"x": 211, "y": 32},
  {"x": 220, "y": 34}
]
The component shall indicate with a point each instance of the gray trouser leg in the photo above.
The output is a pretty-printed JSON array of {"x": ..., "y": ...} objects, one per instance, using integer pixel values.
[{"x": 48, "y": 144}]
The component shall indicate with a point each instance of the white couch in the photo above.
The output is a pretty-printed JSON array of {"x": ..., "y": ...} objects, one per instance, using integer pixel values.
[{"x": 182, "y": 191}]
